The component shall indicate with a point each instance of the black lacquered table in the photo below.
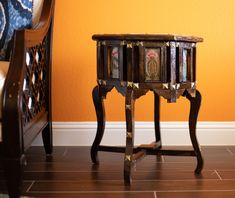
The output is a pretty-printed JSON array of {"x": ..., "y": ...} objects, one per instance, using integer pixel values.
[{"x": 135, "y": 64}]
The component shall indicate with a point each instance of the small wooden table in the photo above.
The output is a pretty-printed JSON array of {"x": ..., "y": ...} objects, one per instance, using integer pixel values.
[{"x": 135, "y": 64}]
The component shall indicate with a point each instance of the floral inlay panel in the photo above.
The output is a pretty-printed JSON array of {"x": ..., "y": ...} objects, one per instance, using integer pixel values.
[
  {"x": 185, "y": 64},
  {"x": 114, "y": 64},
  {"x": 152, "y": 64}
]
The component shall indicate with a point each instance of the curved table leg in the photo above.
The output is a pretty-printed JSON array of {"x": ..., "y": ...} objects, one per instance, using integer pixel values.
[
  {"x": 129, "y": 106},
  {"x": 157, "y": 118},
  {"x": 195, "y": 103},
  {"x": 100, "y": 113}
]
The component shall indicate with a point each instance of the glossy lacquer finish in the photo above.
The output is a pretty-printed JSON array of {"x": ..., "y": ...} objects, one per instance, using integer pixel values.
[{"x": 135, "y": 64}]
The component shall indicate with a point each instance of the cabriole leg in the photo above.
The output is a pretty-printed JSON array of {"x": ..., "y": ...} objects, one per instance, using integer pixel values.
[
  {"x": 100, "y": 114},
  {"x": 195, "y": 103}
]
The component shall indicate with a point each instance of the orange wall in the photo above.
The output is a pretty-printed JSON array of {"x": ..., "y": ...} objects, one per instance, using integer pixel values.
[{"x": 74, "y": 54}]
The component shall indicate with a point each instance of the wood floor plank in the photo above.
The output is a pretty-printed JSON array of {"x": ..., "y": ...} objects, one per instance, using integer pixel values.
[
  {"x": 216, "y": 194},
  {"x": 95, "y": 195},
  {"x": 221, "y": 165},
  {"x": 141, "y": 166},
  {"x": 117, "y": 175},
  {"x": 226, "y": 174},
  {"x": 110, "y": 185},
  {"x": 69, "y": 172}
]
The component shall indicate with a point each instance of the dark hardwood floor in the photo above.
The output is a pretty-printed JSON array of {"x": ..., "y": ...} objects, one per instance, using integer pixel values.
[{"x": 70, "y": 173}]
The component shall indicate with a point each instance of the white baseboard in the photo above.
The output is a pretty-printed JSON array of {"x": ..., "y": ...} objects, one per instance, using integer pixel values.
[{"x": 173, "y": 133}]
